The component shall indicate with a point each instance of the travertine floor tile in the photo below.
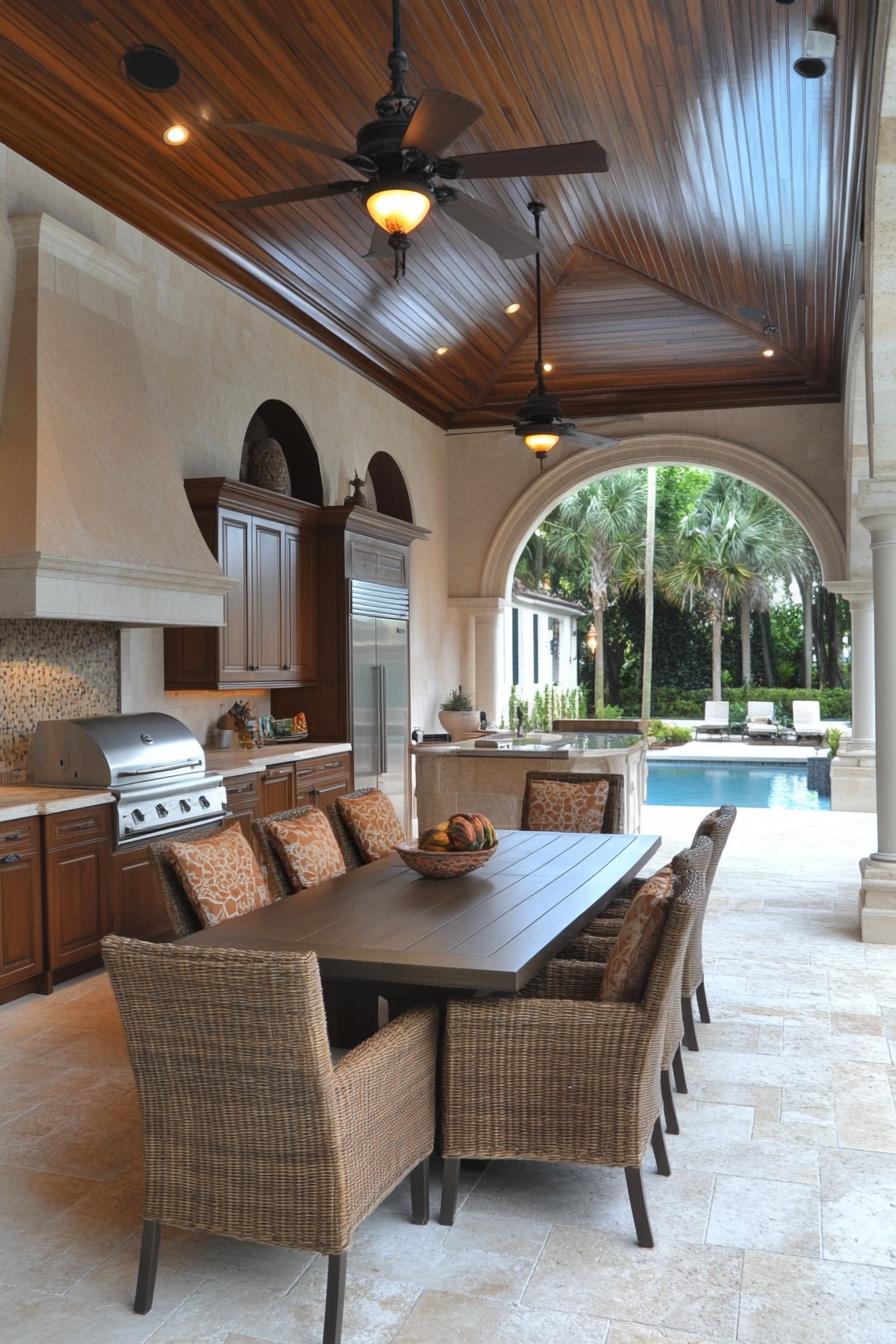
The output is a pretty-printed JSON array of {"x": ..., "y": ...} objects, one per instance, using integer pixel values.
[
  {"x": 445, "y": 1318},
  {"x": 690, "y": 1287},
  {"x": 807, "y": 1301},
  {"x": 858, "y": 1206},
  {"x": 765, "y": 1216}
]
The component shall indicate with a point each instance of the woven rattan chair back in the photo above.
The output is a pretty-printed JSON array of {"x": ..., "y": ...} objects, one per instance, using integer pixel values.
[
  {"x": 690, "y": 868},
  {"x": 183, "y": 917},
  {"x": 350, "y": 852},
  {"x": 611, "y": 822},
  {"x": 230, "y": 1054},
  {"x": 716, "y": 827},
  {"x": 278, "y": 877}
]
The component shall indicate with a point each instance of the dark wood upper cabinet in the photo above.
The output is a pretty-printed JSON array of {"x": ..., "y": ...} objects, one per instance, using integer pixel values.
[{"x": 266, "y": 543}]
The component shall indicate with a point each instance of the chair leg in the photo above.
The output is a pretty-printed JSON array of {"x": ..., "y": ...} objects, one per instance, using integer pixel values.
[
  {"x": 450, "y": 1174},
  {"x": 681, "y": 1083},
  {"x": 335, "y": 1306},
  {"x": 702, "y": 1005},
  {"x": 420, "y": 1193},
  {"x": 149, "y": 1261},
  {"x": 658, "y": 1144},
  {"x": 668, "y": 1103},
  {"x": 639, "y": 1206},
  {"x": 690, "y": 1031}
]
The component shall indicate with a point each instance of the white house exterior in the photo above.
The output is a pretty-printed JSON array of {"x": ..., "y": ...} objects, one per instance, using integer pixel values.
[{"x": 540, "y": 646}]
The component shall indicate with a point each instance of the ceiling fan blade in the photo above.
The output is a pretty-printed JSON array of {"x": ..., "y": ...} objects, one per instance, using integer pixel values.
[
  {"x": 502, "y": 233},
  {"x": 266, "y": 132},
  {"x": 438, "y": 120},
  {"x": 291, "y": 194},
  {"x": 379, "y": 245},
  {"x": 587, "y": 156},
  {"x": 580, "y": 438}
]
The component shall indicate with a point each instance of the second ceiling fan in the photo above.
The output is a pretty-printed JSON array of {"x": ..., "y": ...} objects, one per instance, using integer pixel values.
[{"x": 399, "y": 157}]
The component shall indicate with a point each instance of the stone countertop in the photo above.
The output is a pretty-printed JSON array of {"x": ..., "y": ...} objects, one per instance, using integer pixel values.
[
  {"x": 252, "y": 760},
  {"x": 562, "y": 747},
  {"x": 27, "y": 800}
]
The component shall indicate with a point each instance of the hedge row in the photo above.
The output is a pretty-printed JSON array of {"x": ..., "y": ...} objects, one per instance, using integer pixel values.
[{"x": 670, "y": 703}]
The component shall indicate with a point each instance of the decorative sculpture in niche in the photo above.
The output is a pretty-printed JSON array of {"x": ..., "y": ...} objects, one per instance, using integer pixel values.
[
  {"x": 266, "y": 466},
  {"x": 357, "y": 499}
]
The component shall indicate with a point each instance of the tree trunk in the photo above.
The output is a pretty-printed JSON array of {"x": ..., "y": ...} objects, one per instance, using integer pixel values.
[
  {"x": 765, "y": 632},
  {"x": 806, "y": 595},
  {"x": 599, "y": 661},
  {"x": 649, "y": 555},
  {"x": 746, "y": 664},
  {"x": 716, "y": 656}
]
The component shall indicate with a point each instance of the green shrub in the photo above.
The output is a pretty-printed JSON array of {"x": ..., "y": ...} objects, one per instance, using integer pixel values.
[
  {"x": 671, "y": 703},
  {"x": 608, "y": 712},
  {"x": 834, "y": 736},
  {"x": 667, "y": 733}
]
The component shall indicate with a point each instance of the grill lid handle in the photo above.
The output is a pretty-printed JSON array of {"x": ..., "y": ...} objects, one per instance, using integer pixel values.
[{"x": 159, "y": 769}]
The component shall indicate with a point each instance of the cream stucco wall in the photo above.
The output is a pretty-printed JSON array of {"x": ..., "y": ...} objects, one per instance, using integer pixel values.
[{"x": 204, "y": 359}]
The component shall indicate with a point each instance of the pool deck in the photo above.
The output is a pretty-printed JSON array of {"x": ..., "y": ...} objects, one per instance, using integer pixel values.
[{"x": 716, "y": 751}]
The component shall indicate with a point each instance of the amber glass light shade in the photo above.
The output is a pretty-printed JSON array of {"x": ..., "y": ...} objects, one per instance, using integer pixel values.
[
  {"x": 541, "y": 441},
  {"x": 398, "y": 209}
]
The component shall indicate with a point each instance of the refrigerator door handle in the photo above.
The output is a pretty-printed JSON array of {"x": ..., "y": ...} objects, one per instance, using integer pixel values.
[{"x": 383, "y": 710}]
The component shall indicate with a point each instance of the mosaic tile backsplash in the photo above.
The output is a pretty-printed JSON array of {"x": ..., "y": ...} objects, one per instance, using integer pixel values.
[{"x": 53, "y": 670}]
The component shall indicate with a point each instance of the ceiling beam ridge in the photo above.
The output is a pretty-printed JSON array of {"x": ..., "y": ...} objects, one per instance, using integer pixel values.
[{"x": 697, "y": 304}]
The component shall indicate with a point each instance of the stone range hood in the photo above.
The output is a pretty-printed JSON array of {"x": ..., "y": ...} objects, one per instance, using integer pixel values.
[{"x": 94, "y": 521}]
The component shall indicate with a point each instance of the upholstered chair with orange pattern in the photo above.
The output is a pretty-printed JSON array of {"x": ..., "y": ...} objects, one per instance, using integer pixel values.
[
  {"x": 572, "y": 801},
  {"x": 298, "y": 849},
  {"x": 208, "y": 878},
  {"x": 370, "y": 823}
]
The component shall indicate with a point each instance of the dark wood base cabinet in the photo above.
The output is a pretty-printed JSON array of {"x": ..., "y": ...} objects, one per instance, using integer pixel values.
[
  {"x": 76, "y": 889},
  {"x": 138, "y": 909},
  {"x": 21, "y": 913}
]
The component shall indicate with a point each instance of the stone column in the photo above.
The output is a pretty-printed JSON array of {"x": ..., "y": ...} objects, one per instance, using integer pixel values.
[
  {"x": 853, "y": 787},
  {"x": 488, "y": 652},
  {"x": 877, "y": 512}
]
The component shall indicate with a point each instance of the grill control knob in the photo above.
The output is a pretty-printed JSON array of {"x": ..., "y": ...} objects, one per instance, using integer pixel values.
[
  {"x": 203, "y": 801},
  {"x": 161, "y": 809},
  {"x": 184, "y": 805},
  {"x": 138, "y": 815}
]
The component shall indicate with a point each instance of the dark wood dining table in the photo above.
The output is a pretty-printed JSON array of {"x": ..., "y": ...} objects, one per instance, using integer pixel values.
[{"x": 384, "y": 930}]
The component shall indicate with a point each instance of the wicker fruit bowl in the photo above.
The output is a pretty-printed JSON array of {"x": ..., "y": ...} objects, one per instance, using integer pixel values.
[{"x": 450, "y": 863}]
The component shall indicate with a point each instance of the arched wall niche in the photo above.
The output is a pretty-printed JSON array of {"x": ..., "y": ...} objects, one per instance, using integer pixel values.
[
  {"x": 277, "y": 420},
  {"x": 387, "y": 489},
  {"x": 549, "y": 489}
]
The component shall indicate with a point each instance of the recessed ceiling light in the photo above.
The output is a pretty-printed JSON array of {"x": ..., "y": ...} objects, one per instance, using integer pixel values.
[
  {"x": 547, "y": 367},
  {"x": 512, "y": 308},
  {"x": 176, "y": 135},
  {"x": 151, "y": 67},
  {"x": 768, "y": 354},
  {"x": 442, "y": 350}
]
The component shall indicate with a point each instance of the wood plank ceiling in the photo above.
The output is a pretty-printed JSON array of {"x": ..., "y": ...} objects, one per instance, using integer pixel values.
[{"x": 733, "y": 183}]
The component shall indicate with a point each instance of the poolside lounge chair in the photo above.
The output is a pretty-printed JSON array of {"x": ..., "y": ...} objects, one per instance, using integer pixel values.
[
  {"x": 761, "y": 719},
  {"x": 715, "y": 718},
  {"x": 807, "y": 719}
]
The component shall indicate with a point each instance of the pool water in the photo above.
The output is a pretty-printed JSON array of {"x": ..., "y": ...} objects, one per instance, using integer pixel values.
[{"x": 709, "y": 784}]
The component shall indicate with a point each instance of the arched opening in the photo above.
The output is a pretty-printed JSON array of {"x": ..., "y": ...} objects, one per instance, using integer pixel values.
[
  {"x": 387, "y": 488},
  {"x": 553, "y": 486},
  {"x": 276, "y": 420}
]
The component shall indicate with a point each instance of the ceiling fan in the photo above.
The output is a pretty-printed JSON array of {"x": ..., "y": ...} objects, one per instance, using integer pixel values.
[
  {"x": 539, "y": 422},
  {"x": 399, "y": 157}
]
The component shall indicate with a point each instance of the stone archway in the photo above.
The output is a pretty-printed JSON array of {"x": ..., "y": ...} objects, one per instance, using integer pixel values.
[{"x": 644, "y": 450}]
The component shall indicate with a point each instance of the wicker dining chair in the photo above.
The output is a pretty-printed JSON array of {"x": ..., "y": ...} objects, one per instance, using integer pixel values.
[
  {"x": 181, "y": 911},
  {"x": 589, "y": 947},
  {"x": 554, "y": 1075},
  {"x": 578, "y": 784},
  {"x": 716, "y": 826},
  {"x": 350, "y": 852},
  {"x": 250, "y": 1130},
  {"x": 278, "y": 876}
]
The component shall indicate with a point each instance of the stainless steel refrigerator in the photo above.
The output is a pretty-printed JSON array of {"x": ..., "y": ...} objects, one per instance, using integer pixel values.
[{"x": 381, "y": 726}]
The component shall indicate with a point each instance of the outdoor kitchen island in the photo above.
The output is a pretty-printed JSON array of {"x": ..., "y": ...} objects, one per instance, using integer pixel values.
[{"x": 460, "y": 777}]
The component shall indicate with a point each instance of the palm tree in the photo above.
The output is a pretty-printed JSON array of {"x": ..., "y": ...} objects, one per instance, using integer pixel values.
[
  {"x": 599, "y": 533},
  {"x": 649, "y": 587}
]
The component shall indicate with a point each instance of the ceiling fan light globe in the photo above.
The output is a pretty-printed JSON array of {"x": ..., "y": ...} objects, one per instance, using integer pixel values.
[
  {"x": 398, "y": 209},
  {"x": 541, "y": 441}
]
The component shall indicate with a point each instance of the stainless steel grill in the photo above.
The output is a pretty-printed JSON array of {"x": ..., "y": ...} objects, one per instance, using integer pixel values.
[{"x": 152, "y": 764}]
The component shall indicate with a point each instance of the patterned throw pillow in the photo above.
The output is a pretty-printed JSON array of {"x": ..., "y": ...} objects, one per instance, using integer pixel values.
[
  {"x": 555, "y": 805},
  {"x": 220, "y": 875},
  {"x": 628, "y": 965},
  {"x": 372, "y": 824},
  {"x": 308, "y": 848}
]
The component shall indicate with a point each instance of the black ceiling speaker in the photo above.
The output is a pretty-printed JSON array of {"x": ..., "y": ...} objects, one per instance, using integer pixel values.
[
  {"x": 399, "y": 157},
  {"x": 151, "y": 68}
]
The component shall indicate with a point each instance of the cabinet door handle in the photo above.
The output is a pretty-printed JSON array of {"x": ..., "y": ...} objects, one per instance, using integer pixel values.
[
  {"x": 10, "y": 858},
  {"x": 243, "y": 788},
  {"x": 334, "y": 765},
  {"x": 300, "y": 774},
  {"x": 277, "y": 774},
  {"x": 77, "y": 825},
  {"x": 285, "y": 667},
  {"x": 13, "y": 835}
]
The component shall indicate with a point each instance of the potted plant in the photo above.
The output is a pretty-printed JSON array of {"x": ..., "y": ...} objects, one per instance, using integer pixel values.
[{"x": 457, "y": 715}]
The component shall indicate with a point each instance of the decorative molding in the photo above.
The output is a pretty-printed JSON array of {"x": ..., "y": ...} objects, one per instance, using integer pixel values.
[
  {"x": 49, "y": 235},
  {"x": 642, "y": 450}
]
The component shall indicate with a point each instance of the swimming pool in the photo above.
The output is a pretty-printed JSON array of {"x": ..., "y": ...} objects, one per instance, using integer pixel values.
[{"x": 711, "y": 783}]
